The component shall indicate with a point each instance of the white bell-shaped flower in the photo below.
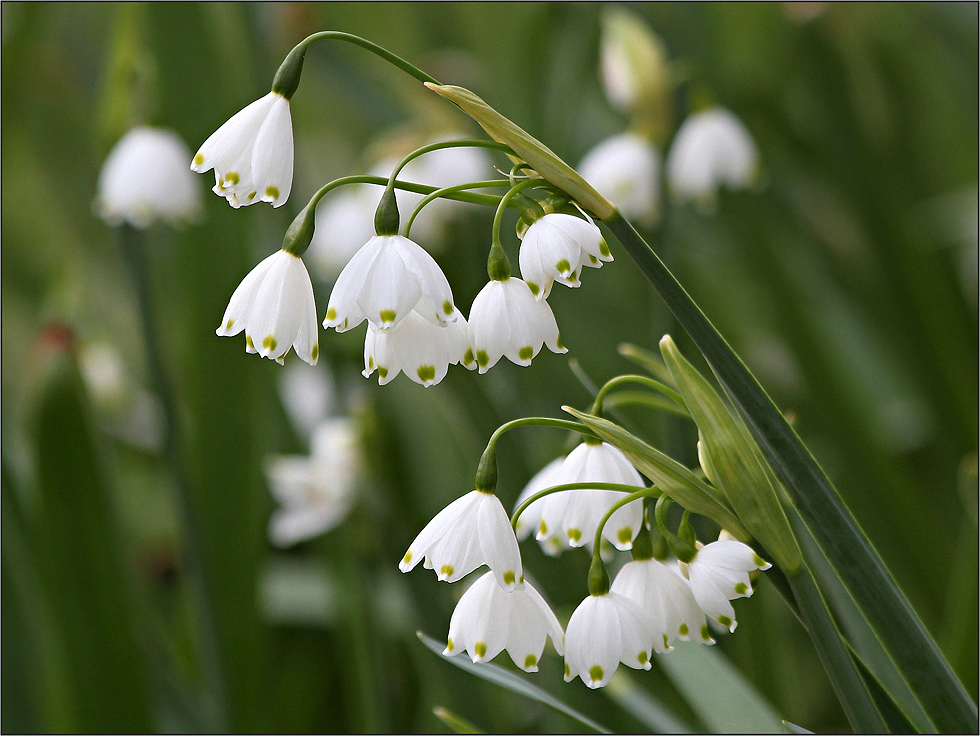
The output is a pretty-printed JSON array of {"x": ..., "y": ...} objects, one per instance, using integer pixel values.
[
  {"x": 711, "y": 149},
  {"x": 666, "y": 600},
  {"x": 555, "y": 248},
  {"x": 530, "y": 519},
  {"x": 626, "y": 170},
  {"x": 575, "y": 515},
  {"x": 385, "y": 280},
  {"x": 274, "y": 306},
  {"x": 471, "y": 531},
  {"x": 719, "y": 573},
  {"x": 252, "y": 154},
  {"x": 315, "y": 492},
  {"x": 489, "y": 619},
  {"x": 603, "y": 631},
  {"x": 344, "y": 223},
  {"x": 145, "y": 180},
  {"x": 506, "y": 319},
  {"x": 415, "y": 346}
]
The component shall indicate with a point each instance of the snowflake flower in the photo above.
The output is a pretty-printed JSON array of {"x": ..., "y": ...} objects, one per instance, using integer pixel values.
[
  {"x": 422, "y": 350},
  {"x": 556, "y": 247},
  {"x": 274, "y": 306},
  {"x": 252, "y": 154},
  {"x": 603, "y": 631},
  {"x": 626, "y": 170},
  {"x": 719, "y": 573},
  {"x": 530, "y": 518}
]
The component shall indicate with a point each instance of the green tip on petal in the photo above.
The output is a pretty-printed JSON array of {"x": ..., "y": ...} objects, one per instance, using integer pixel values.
[
  {"x": 269, "y": 343},
  {"x": 740, "y": 588},
  {"x": 642, "y": 657},
  {"x": 530, "y": 661},
  {"x": 567, "y": 671},
  {"x": 449, "y": 645},
  {"x": 480, "y": 649},
  {"x": 624, "y": 535},
  {"x": 563, "y": 266},
  {"x": 509, "y": 577},
  {"x": 533, "y": 287},
  {"x": 446, "y": 570},
  {"x": 387, "y": 315},
  {"x": 683, "y": 630},
  {"x": 408, "y": 557},
  {"x": 526, "y": 353},
  {"x": 447, "y": 307},
  {"x": 229, "y": 323},
  {"x": 198, "y": 158},
  {"x": 331, "y": 314},
  {"x": 603, "y": 248},
  {"x": 382, "y": 371},
  {"x": 482, "y": 358},
  {"x": 272, "y": 192},
  {"x": 574, "y": 534},
  {"x": 315, "y": 352},
  {"x": 468, "y": 356},
  {"x": 543, "y": 529},
  {"x": 725, "y": 621},
  {"x": 758, "y": 561},
  {"x": 426, "y": 373},
  {"x": 232, "y": 177},
  {"x": 596, "y": 673},
  {"x": 705, "y": 633}
]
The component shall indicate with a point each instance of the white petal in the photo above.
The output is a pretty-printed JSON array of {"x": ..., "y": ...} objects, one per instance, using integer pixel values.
[
  {"x": 233, "y": 320},
  {"x": 498, "y": 543},
  {"x": 343, "y": 312},
  {"x": 626, "y": 170},
  {"x": 390, "y": 291},
  {"x": 272, "y": 156},
  {"x": 226, "y": 144}
]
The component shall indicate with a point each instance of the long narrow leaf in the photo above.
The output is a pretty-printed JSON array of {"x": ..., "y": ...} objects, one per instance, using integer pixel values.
[
  {"x": 643, "y": 706},
  {"x": 725, "y": 701},
  {"x": 508, "y": 680},
  {"x": 898, "y": 627}
]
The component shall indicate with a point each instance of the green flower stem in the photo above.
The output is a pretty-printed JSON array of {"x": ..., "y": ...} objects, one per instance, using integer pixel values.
[
  {"x": 640, "y": 491},
  {"x": 643, "y": 381},
  {"x": 638, "y": 398},
  {"x": 300, "y": 233},
  {"x": 133, "y": 247},
  {"x": 505, "y": 202},
  {"x": 451, "y": 190},
  {"x": 287, "y": 77},
  {"x": 486, "y": 472},
  {"x": 644, "y": 493}
]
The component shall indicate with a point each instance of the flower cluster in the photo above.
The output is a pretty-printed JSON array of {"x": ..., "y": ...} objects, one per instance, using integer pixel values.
[{"x": 391, "y": 282}]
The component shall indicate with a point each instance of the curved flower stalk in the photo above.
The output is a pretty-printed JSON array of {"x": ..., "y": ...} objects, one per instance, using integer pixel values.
[
  {"x": 471, "y": 531},
  {"x": 626, "y": 169},
  {"x": 489, "y": 619},
  {"x": 667, "y": 601},
  {"x": 530, "y": 519},
  {"x": 252, "y": 154},
  {"x": 145, "y": 179},
  {"x": 573, "y": 516},
  {"x": 506, "y": 319},
  {"x": 719, "y": 573},
  {"x": 555, "y": 247},
  {"x": 603, "y": 631},
  {"x": 415, "y": 346},
  {"x": 274, "y": 306},
  {"x": 711, "y": 149},
  {"x": 315, "y": 492},
  {"x": 385, "y": 280}
]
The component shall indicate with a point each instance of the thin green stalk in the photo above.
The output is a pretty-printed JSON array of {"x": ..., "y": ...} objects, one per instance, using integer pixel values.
[
  {"x": 641, "y": 380},
  {"x": 460, "y": 196},
  {"x": 133, "y": 249},
  {"x": 638, "y": 398},
  {"x": 438, "y": 193},
  {"x": 650, "y": 492},
  {"x": 505, "y": 202},
  {"x": 644, "y": 493},
  {"x": 442, "y": 145}
]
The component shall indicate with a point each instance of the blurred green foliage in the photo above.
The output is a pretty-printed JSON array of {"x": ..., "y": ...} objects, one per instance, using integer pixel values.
[{"x": 849, "y": 286}]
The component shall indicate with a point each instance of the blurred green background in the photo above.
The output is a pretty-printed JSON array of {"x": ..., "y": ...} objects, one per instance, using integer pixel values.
[{"x": 848, "y": 285}]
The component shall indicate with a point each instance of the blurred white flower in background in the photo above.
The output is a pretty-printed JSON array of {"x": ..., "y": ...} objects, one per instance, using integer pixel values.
[
  {"x": 626, "y": 170},
  {"x": 315, "y": 492},
  {"x": 711, "y": 149},
  {"x": 145, "y": 180},
  {"x": 307, "y": 394}
]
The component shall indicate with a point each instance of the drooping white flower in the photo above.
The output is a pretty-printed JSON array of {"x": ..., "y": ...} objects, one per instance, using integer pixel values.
[
  {"x": 667, "y": 602},
  {"x": 415, "y": 346},
  {"x": 385, "y": 280},
  {"x": 530, "y": 519},
  {"x": 307, "y": 396},
  {"x": 506, "y": 319},
  {"x": 274, "y": 306},
  {"x": 603, "y": 631},
  {"x": 575, "y": 515},
  {"x": 145, "y": 180},
  {"x": 626, "y": 170},
  {"x": 315, "y": 492},
  {"x": 719, "y": 573},
  {"x": 252, "y": 154},
  {"x": 489, "y": 619},
  {"x": 556, "y": 247},
  {"x": 711, "y": 149},
  {"x": 471, "y": 531},
  {"x": 344, "y": 222}
]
